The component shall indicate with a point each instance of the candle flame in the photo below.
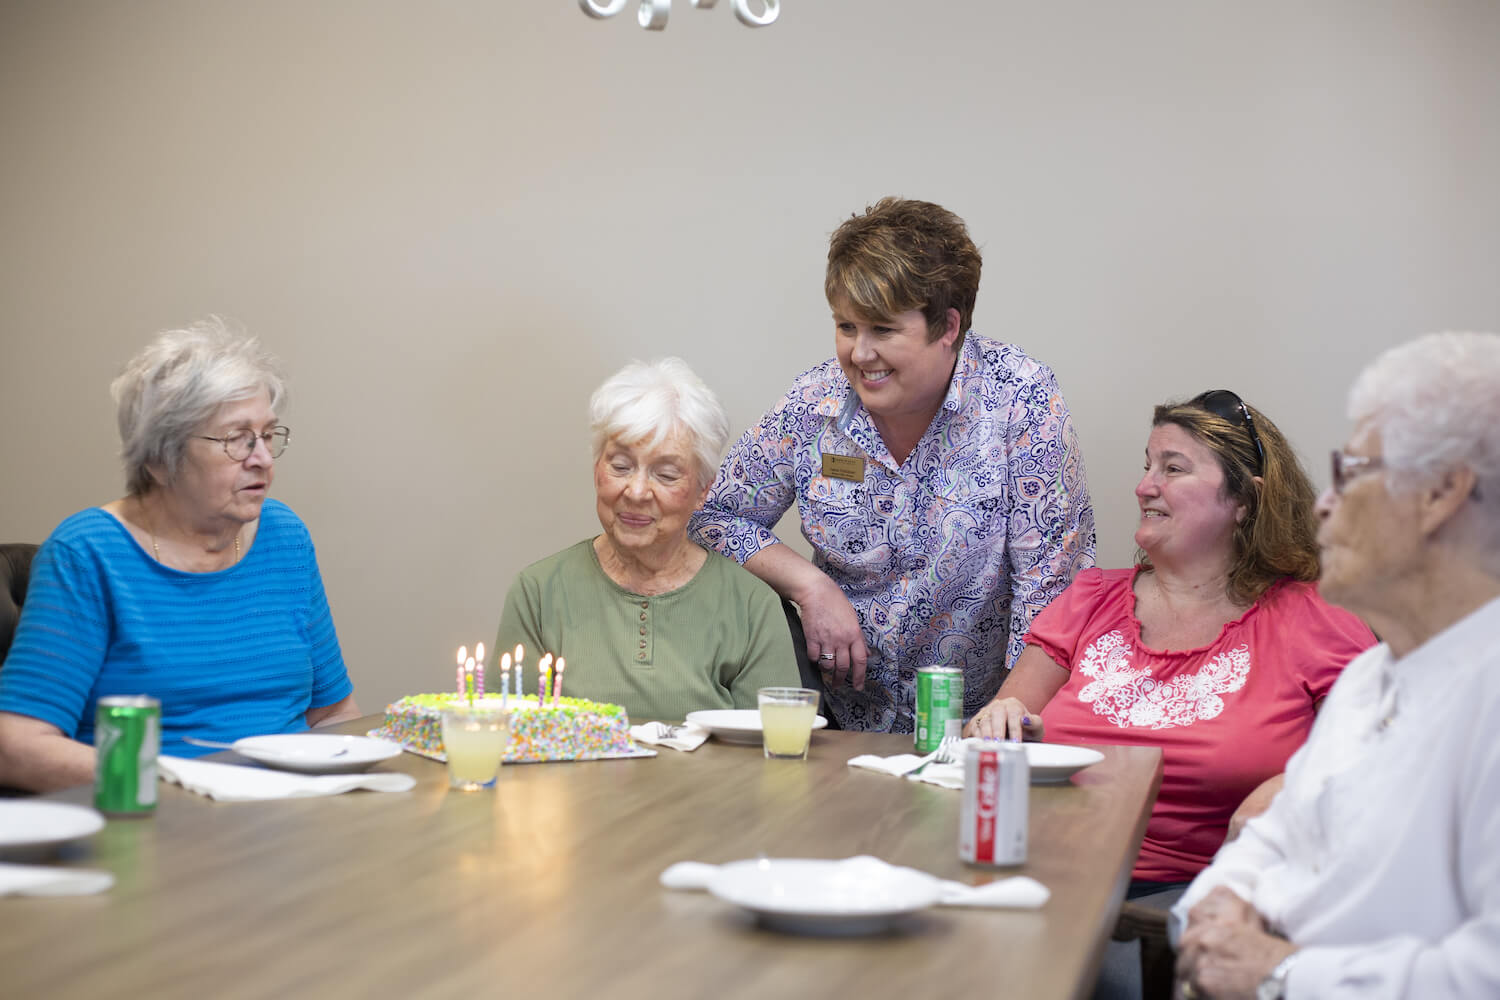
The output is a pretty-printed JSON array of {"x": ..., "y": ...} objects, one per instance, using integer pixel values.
[
  {"x": 520, "y": 653},
  {"x": 479, "y": 653},
  {"x": 504, "y": 662},
  {"x": 463, "y": 652}
]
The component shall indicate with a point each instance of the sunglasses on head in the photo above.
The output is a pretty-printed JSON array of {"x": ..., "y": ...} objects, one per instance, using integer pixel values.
[{"x": 1228, "y": 405}]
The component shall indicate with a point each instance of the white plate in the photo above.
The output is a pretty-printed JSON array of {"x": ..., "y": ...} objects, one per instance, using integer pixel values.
[
  {"x": 737, "y": 725},
  {"x": 31, "y": 826},
  {"x": 316, "y": 753},
  {"x": 1054, "y": 763},
  {"x": 802, "y": 896}
]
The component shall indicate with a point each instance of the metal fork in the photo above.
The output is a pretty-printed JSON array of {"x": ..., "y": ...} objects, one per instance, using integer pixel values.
[
  {"x": 946, "y": 753},
  {"x": 666, "y": 732}
]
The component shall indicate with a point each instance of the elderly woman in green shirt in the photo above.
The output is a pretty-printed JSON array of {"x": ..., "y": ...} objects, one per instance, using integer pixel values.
[{"x": 644, "y": 617}]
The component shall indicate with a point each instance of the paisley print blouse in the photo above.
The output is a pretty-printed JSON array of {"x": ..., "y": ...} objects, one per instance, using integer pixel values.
[{"x": 945, "y": 557}]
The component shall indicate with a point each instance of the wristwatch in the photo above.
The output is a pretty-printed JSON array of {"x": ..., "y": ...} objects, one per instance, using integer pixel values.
[{"x": 1273, "y": 987}]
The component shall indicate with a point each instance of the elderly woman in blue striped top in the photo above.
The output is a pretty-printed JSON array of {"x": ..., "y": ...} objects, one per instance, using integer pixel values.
[{"x": 193, "y": 588}]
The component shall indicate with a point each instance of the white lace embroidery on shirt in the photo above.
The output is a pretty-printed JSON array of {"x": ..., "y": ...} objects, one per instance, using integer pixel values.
[{"x": 1128, "y": 696}]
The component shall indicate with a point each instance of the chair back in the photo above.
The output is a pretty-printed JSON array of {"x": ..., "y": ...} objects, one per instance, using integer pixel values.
[
  {"x": 15, "y": 572},
  {"x": 811, "y": 676}
]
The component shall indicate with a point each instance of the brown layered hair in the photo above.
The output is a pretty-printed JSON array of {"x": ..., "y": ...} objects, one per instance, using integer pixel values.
[
  {"x": 1277, "y": 537},
  {"x": 902, "y": 255}
]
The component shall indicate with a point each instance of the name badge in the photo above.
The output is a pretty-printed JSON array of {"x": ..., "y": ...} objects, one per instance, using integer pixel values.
[{"x": 844, "y": 467}]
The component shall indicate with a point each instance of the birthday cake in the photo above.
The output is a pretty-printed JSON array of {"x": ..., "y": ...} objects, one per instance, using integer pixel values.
[{"x": 562, "y": 729}]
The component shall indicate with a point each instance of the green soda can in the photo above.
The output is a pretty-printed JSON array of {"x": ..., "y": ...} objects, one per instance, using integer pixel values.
[
  {"x": 940, "y": 700},
  {"x": 127, "y": 738}
]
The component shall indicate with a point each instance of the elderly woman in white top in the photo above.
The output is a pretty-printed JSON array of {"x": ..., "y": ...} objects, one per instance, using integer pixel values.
[{"x": 1376, "y": 870}]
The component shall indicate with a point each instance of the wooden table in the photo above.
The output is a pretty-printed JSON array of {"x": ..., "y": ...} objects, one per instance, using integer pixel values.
[{"x": 548, "y": 888}]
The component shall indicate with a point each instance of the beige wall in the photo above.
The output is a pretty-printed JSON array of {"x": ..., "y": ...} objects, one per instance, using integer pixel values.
[{"x": 453, "y": 219}]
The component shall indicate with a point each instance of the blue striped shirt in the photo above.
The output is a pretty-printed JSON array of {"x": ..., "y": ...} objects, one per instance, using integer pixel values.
[{"x": 238, "y": 652}]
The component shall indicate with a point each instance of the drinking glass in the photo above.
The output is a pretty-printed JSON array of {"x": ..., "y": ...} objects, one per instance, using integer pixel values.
[
  {"x": 786, "y": 721},
  {"x": 474, "y": 738}
]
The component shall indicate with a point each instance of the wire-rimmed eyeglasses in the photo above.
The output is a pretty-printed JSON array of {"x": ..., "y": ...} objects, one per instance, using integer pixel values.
[
  {"x": 239, "y": 444},
  {"x": 1228, "y": 405}
]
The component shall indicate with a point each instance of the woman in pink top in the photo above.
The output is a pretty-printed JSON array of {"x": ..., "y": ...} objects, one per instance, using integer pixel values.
[{"x": 1215, "y": 647}]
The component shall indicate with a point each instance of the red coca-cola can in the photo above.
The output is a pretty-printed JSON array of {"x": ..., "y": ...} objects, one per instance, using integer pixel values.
[{"x": 993, "y": 817}]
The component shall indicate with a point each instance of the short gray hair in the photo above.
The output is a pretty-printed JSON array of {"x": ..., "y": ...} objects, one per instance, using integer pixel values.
[
  {"x": 647, "y": 401},
  {"x": 1436, "y": 403},
  {"x": 177, "y": 382}
]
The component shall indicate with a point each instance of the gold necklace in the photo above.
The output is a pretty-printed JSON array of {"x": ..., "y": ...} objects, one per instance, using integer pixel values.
[{"x": 156, "y": 549}]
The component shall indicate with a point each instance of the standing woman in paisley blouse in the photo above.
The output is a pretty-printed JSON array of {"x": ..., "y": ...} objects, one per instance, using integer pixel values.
[
  {"x": 1215, "y": 647},
  {"x": 936, "y": 472}
]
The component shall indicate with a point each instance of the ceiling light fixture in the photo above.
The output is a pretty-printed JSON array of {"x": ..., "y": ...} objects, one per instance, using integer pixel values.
[{"x": 652, "y": 14}]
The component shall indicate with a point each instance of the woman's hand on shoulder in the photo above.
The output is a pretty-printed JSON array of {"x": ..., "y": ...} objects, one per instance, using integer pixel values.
[{"x": 1006, "y": 719}]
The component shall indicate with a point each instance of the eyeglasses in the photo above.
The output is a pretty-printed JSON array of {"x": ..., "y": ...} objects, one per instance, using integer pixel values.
[
  {"x": 1347, "y": 467},
  {"x": 240, "y": 444},
  {"x": 1228, "y": 405}
]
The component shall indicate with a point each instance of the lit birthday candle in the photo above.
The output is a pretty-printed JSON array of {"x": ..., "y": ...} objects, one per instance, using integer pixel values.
[
  {"x": 479, "y": 671},
  {"x": 542, "y": 677},
  {"x": 557, "y": 680},
  {"x": 520, "y": 655},
  {"x": 463, "y": 652}
]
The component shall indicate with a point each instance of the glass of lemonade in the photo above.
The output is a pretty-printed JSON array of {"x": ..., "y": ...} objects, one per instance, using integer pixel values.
[
  {"x": 786, "y": 721},
  {"x": 474, "y": 737}
]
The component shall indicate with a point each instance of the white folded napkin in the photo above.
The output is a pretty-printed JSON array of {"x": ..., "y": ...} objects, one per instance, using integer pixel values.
[
  {"x": 946, "y": 775},
  {"x": 1019, "y": 892},
  {"x": 235, "y": 783},
  {"x": 687, "y": 736},
  {"x": 39, "y": 880}
]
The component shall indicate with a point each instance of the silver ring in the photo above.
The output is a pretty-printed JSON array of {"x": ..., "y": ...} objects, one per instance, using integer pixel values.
[{"x": 825, "y": 656}]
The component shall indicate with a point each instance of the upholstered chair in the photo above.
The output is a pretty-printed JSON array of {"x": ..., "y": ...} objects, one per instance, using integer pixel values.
[
  {"x": 811, "y": 676},
  {"x": 15, "y": 570}
]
